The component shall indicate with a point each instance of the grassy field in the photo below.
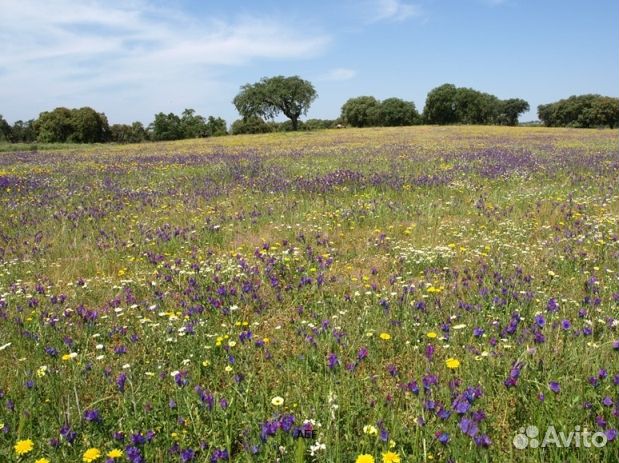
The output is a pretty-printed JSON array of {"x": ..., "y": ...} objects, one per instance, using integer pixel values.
[{"x": 417, "y": 295}]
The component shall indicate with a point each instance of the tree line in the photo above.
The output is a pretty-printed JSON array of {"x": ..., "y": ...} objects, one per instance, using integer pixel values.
[
  {"x": 261, "y": 102},
  {"x": 85, "y": 125}
]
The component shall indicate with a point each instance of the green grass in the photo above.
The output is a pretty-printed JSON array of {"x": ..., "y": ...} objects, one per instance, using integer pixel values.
[{"x": 168, "y": 254}]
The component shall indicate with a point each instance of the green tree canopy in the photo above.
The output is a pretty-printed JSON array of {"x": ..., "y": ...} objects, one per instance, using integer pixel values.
[
  {"x": 397, "y": 112},
  {"x": 291, "y": 96},
  {"x": 5, "y": 130},
  {"x": 440, "y": 107},
  {"x": 362, "y": 111},
  {"x": 166, "y": 127},
  {"x": 510, "y": 109},
  {"x": 125, "y": 133},
  {"x": 83, "y": 125},
  {"x": 251, "y": 124},
  {"x": 23, "y": 132},
  {"x": 448, "y": 104},
  {"x": 581, "y": 111}
]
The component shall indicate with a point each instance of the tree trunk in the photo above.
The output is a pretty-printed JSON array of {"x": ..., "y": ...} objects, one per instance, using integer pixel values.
[{"x": 295, "y": 123}]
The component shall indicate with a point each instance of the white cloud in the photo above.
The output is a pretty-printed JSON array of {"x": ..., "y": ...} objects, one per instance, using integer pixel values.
[
  {"x": 339, "y": 74},
  {"x": 114, "y": 54},
  {"x": 394, "y": 10}
]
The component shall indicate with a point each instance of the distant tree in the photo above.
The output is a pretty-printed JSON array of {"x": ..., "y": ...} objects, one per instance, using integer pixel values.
[
  {"x": 581, "y": 111},
  {"x": 510, "y": 110},
  {"x": 166, "y": 127},
  {"x": 362, "y": 111},
  {"x": 193, "y": 125},
  {"x": 440, "y": 107},
  {"x": 54, "y": 126},
  {"x": 5, "y": 130},
  {"x": 83, "y": 125},
  {"x": 216, "y": 126},
  {"x": 291, "y": 96},
  {"x": 23, "y": 132},
  {"x": 125, "y": 133},
  {"x": 605, "y": 112},
  {"x": 448, "y": 104},
  {"x": 397, "y": 112},
  {"x": 252, "y": 124},
  {"x": 318, "y": 124},
  {"x": 88, "y": 126},
  {"x": 474, "y": 107}
]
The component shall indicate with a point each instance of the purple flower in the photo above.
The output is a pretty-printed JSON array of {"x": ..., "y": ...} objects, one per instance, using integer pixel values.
[
  {"x": 552, "y": 305},
  {"x": 363, "y": 353},
  {"x": 483, "y": 441},
  {"x": 92, "y": 416},
  {"x": 133, "y": 454},
  {"x": 554, "y": 387},
  {"x": 461, "y": 405},
  {"x": 616, "y": 345},
  {"x": 442, "y": 437},
  {"x": 566, "y": 325},
  {"x": 468, "y": 427},
  {"x": 187, "y": 455},
  {"x": 540, "y": 320},
  {"x": 68, "y": 434},
  {"x": 611, "y": 434},
  {"x": 607, "y": 401},
  {"x": 477, "y": 332},
  {"x": 120, "y": 381},
  {"x": 332, "y": 360},
  {"x": 219, "y": 454}
]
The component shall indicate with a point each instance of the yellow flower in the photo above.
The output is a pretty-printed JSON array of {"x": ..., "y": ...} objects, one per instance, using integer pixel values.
[
  {"x": 22, "y": 447},
  {"x": 391, "y": 457},
  {"x": 41, "y": 460},
  {"x": 70, "y": 356},
  {"x": 431, "y": 335},
  {"x": 385, "y": 336},
  {"x": 365, "y": 458},
  {"x": 371, "y": 430},
  {"x": 115, "y": 453},
  {"x": 452, "y": 363},
  {"x": 91, "y": 455},
  {"x": 277, "y": 401}
]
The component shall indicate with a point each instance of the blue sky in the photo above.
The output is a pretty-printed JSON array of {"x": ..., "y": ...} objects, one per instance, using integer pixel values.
[{"x": 134, "y": 58}]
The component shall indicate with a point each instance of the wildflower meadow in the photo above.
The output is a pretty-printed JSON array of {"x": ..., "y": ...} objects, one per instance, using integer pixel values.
[{"x": 420, "y": 294}]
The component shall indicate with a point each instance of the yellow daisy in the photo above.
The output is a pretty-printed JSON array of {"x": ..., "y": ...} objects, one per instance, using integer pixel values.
[
  {"x": 391, "y": 457},
  {"x": 22, "y": 447},
  {"x": 91, "y": 455},
  {"x": 365, "y": 458},
  {"x": 452, "y": 363},
  {"x": 115, "y": 453}
]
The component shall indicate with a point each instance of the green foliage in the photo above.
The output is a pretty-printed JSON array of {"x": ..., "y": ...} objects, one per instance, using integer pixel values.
[
  {"x": 216, "y": 127},
  {"x": 249, "y": 125},
  {"x": 440, "y": 105},
  {"x": 23, "y": 132},
  {"x": 271, "y": 96},
  {"x": 581, "y": 111},
  {"x": 62, "y": 125},
  {"x": 166, "y": 127},
  {"x": 319, "y": 124},
  {"x": 448, "y": 104},
  {"x": 125, "y": 133},
  {"x": 510, "y": 109},
  {"x": 362, "y": 111},
  {"x": 192, "y": 125},
  {"x": 396, "y": 112},
  {"x": 5, "y": 130}
]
